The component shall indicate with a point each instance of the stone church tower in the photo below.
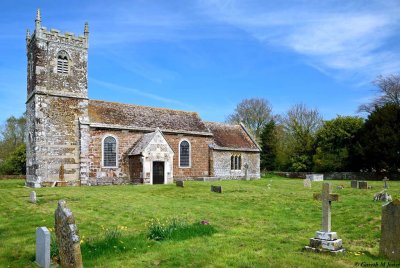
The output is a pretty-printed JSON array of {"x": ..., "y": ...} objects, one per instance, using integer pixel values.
[{"x": 57, "y": 106}]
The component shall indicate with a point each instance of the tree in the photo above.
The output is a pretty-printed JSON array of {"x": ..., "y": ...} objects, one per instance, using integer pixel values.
[
  {"x": 300, "y": 125},
  {"x": 253, "y": 113},
  {"x": 12, "y": 135},
  {"x": 388, "y": 90},
  {"x": 268, "y": 146},
  {"x": 378, "y": 146},
  {"x": 15, "y": 163},
  {"x": 334, "y": 141}
]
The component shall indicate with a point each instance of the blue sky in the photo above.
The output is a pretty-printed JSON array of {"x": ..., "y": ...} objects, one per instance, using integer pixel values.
[{"x": 208, "y": 55}]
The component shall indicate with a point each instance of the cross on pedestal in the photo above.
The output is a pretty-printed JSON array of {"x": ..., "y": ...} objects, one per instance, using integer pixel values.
[
  {"x": 327, "y": 197},
  {"x": 385, "y": 181}
]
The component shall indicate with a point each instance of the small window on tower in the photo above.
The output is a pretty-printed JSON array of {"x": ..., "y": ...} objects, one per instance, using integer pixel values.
[{"x": 62, "y": 62}]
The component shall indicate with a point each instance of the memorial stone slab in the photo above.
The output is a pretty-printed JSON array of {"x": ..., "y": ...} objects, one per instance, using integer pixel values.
[
  {"x": 43, "y": 247},
  {"x": 32, "y": 197},
  {"x": 179, "y": 183},
  {"x": 362, "y": 185},
  {"x": 389, "y": 246},
  {"x": 216, "y": 189},
  {"x": 307, "y": 183},
  {"x": 354, "y": 184},
  {"x": 67, "y": 237}
]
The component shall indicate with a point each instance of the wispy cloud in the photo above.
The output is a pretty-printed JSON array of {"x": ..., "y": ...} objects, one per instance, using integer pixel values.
[
  {"x": 138, "y": 92},
  {"x": 331, "y": 37}
]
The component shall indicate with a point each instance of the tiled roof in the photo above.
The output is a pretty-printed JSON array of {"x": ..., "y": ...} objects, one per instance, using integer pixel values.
[
  {"x": 231, "y": 137},
  {"x": 141, "y": 117},
  {"x": 142, "y": 143}
]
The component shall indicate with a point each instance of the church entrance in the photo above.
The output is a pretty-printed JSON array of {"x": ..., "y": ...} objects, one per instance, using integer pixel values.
[{"x": 158, "y": 172}]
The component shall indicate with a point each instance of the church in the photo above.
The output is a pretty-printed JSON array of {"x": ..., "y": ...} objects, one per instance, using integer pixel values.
[{"x": 78, "y": 141}]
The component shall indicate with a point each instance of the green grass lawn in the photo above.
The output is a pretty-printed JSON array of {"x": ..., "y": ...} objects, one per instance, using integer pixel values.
[{"x": 253, "y": 225}]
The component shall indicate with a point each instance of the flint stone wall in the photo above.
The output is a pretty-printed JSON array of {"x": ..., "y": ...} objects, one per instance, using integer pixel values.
[{"x": 222, "y": 165}]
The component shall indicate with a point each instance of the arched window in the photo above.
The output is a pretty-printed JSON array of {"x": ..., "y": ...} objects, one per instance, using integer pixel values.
[
  {"x": 239, "y": 162},
  {"x": 232, "y": 162},
  {"x": 110, "y": 152},
  {"x": 236, "y": 162},
  {"x": 184, "y": 154},
  {"x": 62, "y": 62}
]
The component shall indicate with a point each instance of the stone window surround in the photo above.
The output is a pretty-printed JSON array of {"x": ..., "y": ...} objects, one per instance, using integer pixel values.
[
  {"x": 190, "y": 153},
  {"x": 62, "y": 52},
  {"x": 236, "y": 162},
  {"x": 116, "y": 150}
]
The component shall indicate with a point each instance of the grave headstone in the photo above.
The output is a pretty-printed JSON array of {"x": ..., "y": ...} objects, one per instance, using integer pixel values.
[
  {"x": 354, "y": 184},
  {"x": 67, "y": 237},
  {"x": 32, "y": 197},
  {"x": 246, "y": 172},
  {"x": 385, "y": 180},
  {"x": 315, "y": 177},
  {"x": 216, "y": 189},
  {"x": 43, "y": 247},
  {"x": 362, "y": 185},
  {"x": 326, "y": 240},
  {"x": 307, "y": 183},
  {"x": 179, "y": 183},
  {"x": 389, "y": 246}
]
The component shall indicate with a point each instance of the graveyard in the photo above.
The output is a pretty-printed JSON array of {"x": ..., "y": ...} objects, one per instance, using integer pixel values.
[{"x": 258, "y": 223}]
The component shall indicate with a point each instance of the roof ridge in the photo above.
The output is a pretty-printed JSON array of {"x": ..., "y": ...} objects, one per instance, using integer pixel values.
[{"x": 144, "y": 106}]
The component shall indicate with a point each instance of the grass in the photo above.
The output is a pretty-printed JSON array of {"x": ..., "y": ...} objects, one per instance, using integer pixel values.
[{"x": 250, "y": 224}]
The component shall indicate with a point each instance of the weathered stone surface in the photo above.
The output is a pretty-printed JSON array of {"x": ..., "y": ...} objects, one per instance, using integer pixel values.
[
  {"x": 180, "y": 183},
  {"x": 389, "y": 246},
  {"x": 32, "y": 197},
  {"x": 307, "y": 183},
  {"x": 326, "y": 244},
  {"x": 354, "y": 184},
  {"x": 362, "y": 185},
  {"x": 383, "y": 196},
  {"x": 67, "y": 237},
  {"x": 326, "y": 235},
  {"x": 315, "y": 177},
  {"x": 216, "y": 189},
  {"x": 43, "y": 247}
]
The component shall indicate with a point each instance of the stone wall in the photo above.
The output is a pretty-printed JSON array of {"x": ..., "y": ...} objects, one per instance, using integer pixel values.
[
  {"x": 344, "y": 175},
  {"x": 222, "y": 164}
]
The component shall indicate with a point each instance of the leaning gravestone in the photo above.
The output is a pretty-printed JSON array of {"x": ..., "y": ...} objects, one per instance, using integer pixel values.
[
  {"x": 326, "y": 240},
  {"x": 67, "y": 237},
  {"x": 43, "y": 247},
  {"x": 307, "y": 183},
  {"x": 216, "y": 189},
  {"x": 354, "y": 184},
  {"x": 389, "y": 246},
  {"x": 32, "y": 197},
  {"x": 362, "y": 185},
  {"x": 179, "y": 183},
  {"x": 315, "y": 177}
]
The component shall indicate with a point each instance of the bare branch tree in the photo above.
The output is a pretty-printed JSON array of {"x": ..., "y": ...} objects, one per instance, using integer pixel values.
[
  {"x": 388, "y": 90},
  {"x": 254, "y": 113}
]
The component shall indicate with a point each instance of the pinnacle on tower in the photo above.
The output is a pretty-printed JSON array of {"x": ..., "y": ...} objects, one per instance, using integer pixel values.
[
  {"x": 28, "y": 34},
  {"x": 86, "y": 30},
  {"x": 38, "y": 19}
]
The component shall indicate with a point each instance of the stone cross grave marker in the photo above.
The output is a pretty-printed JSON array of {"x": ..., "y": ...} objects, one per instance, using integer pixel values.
[
  {"x": 362, "y": 185},
  {"x": 179, "y": 183},
  {"x": 67, "y": 237},
  {"x": 385, "y": 180},
  {"x": 43, "y": 247},
  {"x": 389, "y": 245},
  {"x": 354, "y": 184},
  {"x": 307, "y": 183},
  {"x": 326, "y": 240},
  {"x": 32, "y": 197},
  {"x": 216, "y": 189}
]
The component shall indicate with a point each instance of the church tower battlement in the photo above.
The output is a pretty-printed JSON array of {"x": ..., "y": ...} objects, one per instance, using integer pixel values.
[{"x": 57, "y": 105}]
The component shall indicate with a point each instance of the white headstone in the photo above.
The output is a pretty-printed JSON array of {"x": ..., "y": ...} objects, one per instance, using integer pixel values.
[
  {"x": 315, "y": 177},
  {"x": 43, "y": 247},
  {"x": 32, "y": 197},
  {"x": 307, "y": 183}
]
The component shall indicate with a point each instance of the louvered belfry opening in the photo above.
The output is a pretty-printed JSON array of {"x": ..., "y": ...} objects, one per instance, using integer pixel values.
[{"x": 62, "y": 63}]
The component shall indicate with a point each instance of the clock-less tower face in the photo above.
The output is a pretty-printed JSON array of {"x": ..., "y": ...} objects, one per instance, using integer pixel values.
[{"x": 57, "y": 101}]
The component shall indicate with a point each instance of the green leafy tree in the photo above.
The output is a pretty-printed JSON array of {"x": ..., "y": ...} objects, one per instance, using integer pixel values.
[
  {"x": 378, "y": 146},
  {"x": 268, "y": 141},
  {"x": 12, "y": 135},
  {"x": 333, "y": 143},
  {"x": 15, "y": 163},
  {"x": 300, "y": 125}
]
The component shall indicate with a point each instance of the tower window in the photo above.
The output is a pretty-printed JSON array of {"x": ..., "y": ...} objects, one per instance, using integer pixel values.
[{"x": 62, "y": 62}]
